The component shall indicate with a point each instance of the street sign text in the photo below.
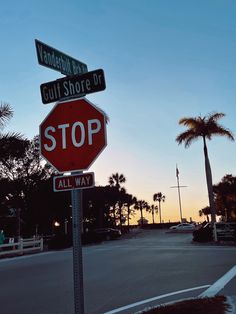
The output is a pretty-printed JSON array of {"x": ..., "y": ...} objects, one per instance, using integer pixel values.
[
  {"x": 76, "y": 181},
  {"x": 57, "y": 60},
  {"x": 73, "y": 135},
  {"x": 80, "y": 134},
  {"x": 73, "y": 86}
]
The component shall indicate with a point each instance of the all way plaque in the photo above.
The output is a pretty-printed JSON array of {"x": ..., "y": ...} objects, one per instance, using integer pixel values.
[
  {"x": 73, "y": 86},
  {"x": 73, "y": 182}
]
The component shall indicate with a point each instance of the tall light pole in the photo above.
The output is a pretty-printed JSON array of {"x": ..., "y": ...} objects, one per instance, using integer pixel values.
[{"x": 178, "y": 187}]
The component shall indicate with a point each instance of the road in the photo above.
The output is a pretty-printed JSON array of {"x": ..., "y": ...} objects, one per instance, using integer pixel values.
[{"x": 116, "y": 273}]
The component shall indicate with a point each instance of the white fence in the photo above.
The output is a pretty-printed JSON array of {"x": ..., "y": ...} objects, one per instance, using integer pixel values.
[
  {"x": 21, "y": 247},
  {"x": 224, "y": 231}
]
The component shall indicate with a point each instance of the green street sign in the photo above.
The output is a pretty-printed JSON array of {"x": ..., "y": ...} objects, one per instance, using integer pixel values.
[
  {"x": 59, "y": 61},
  {"x": 73, "y": 86}
]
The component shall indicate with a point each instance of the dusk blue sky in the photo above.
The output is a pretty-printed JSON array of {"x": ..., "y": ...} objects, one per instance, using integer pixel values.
[{"x": 162, "y": 60}]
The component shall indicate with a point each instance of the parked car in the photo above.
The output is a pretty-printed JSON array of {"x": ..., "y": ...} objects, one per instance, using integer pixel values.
[
  {"x": 203, "y": 234},
  {"x": 183, "y": 226},
  {"x": 91, "y": 237},
  {"x": 108, "y": 233},
  {"x": 59, "y": 241}
]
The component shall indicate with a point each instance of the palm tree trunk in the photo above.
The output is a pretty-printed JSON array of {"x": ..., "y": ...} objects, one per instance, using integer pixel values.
[
  {"x": 128, "y": 215},
  {"x": 141, "y": 210},
  {"x": 160, "y": 210},
  {"x": 209, "y": 183},
  {"x": 114, "y": 214},
  {"x": 120, "y": 215}
]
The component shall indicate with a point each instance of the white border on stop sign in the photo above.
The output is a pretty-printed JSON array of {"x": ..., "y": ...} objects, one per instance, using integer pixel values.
[{"x": 105, "y": 133}]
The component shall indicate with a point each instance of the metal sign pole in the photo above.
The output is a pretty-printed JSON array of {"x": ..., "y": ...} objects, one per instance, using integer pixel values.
[{"x": 76, "y": 200}]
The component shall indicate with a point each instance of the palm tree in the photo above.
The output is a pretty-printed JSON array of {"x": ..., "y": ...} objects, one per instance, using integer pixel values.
[
  {"x": 141, "y": 205},
  {"x": 130, "y": 200},
  {"x": 116, "y": 179},
  {"x": 204, "y": 127},
  {"x": 159, "y": 197},
  {"x": 205, "y": 212},
  {"x": 120, "y": 204},
  {"x": 6, "y": 113},
  {"x": 11, "y": 143},
  {"x": 225, "y": 197},
  {"x": 153, "y": 208}
]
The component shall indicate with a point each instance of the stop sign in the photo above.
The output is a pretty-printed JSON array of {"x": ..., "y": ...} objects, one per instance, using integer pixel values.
[{"x": 73, "y": 135}]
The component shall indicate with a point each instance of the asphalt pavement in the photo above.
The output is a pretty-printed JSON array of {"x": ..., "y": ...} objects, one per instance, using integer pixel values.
[
  {"x": 143, "y": 269},
  {"x": 226, "y": 285}
]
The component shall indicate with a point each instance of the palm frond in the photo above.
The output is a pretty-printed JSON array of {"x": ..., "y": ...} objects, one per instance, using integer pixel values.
[
  {"x": 12, "y": 136},
  {"x": 205, "y": 127},
  {"x": 189, "y": 122},
  {"x": 187, "y": 137},
  {"x": 116, "y": 179},
  {"x": 159, "y": 197},
  {"x": 6, "y": 114},
  {"x": 221, "y": 131},
  {"x": 214, "y": 116}
]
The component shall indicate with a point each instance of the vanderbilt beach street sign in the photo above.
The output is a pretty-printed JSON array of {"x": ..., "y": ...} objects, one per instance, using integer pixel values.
[
  {"x": 57, "y": 60},
  {"x": 75, "y": 181},
  {"x": 73, "y": 86}
]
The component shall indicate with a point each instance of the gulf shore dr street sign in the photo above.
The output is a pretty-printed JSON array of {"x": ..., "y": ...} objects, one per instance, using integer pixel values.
[
  {"x": 73, "y": 86},
  {"x": 73, "y": 135},
  {"x": 57, "y": 60},
  {"x": 74, "y": 181}
]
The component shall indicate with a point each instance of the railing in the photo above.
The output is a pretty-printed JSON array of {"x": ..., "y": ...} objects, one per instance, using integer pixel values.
[
  {"x": 21, "y": 247},
  {"x": 224, "y": 231}
]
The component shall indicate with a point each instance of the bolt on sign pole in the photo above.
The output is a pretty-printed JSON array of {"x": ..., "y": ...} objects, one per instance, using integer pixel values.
[{"x": 76, "y": 200}]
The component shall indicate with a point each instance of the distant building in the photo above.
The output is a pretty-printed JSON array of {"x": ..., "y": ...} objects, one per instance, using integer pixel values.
[{"x": 143, "y": 221}]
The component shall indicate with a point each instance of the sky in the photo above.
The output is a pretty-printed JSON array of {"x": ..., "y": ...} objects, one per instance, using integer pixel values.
[{"x": 162, "y": 59}]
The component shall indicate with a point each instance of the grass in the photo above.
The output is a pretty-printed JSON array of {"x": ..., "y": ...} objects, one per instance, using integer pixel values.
[{"x": 214, "y": 305}]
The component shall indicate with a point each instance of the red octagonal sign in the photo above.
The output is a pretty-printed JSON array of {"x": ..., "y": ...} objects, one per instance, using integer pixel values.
[{"x": 73, "y": 135}]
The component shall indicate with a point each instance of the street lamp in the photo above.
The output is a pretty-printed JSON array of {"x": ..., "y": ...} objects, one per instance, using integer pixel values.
[{"x": 56, "y": 224}]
